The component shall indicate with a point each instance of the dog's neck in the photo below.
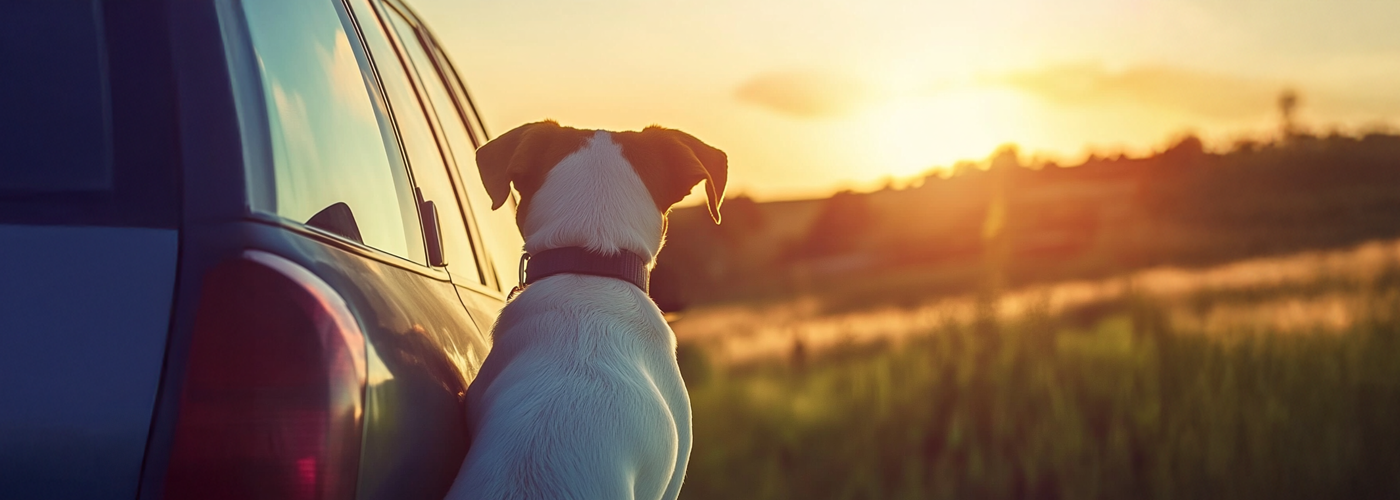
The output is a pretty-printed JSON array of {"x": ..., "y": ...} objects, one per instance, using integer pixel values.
[{"x": 594, "y": 199}]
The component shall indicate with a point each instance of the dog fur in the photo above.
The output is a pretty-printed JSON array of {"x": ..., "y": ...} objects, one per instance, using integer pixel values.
[{"x": 581, "y": 397}]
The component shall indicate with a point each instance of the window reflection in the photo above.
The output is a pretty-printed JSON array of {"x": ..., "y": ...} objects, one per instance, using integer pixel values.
[{"x": 328, "y": 148}]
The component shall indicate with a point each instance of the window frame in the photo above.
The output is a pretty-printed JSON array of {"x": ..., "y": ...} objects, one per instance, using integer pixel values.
[
  {"x": 465, "y": 103},
  {"x": 462, "y": 100}
]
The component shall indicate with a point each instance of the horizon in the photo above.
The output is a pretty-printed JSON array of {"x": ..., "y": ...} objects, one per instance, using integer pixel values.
[{"x": 811, "y": 98}]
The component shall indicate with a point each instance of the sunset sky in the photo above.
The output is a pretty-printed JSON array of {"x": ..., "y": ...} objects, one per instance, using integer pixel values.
[{"x": 810, "y": 96}]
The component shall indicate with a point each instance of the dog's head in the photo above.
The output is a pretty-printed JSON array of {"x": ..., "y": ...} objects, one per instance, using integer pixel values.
[{"x": 595, "y": 188}]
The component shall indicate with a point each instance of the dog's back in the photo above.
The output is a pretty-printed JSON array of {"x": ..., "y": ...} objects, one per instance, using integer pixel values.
[{"x": 580, "y": 398}]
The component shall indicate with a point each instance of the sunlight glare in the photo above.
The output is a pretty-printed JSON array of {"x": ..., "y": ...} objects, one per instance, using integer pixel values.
[{"x": 911, "y": 135}]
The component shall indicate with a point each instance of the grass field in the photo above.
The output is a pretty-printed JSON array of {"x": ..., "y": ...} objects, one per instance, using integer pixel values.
[{"x": 1114, "y": 397}]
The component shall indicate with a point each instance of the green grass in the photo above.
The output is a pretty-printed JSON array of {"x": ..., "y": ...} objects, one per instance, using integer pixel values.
[{"x": 1111, "y": 406}]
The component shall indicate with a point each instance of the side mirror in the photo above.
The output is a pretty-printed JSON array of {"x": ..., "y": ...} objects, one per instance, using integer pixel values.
[{"x": 432, "y": 232}]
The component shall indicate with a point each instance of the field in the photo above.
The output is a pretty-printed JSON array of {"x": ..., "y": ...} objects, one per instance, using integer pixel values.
[{"x": 1272, "y": 378}]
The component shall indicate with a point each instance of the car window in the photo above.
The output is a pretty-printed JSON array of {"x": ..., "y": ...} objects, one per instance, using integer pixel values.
[
  {"x": 499, "y": 233},
  {"x": 55, "y": 97},
  {"x": 424, "y": 156},
  {"x": 332, "y": 168},
  {"x": 87, "y": 115}
]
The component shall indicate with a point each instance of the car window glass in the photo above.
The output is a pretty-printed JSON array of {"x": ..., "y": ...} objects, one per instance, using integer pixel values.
[
  {"x": 424, "y": 157},
  {"x": 499, "y": 233},
  {"x": 331, "y": 167},
  {"x": 55, "y": 127}
]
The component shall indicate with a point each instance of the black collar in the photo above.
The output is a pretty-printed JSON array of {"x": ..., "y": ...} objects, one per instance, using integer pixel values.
[{"x": 624, "y": 265}]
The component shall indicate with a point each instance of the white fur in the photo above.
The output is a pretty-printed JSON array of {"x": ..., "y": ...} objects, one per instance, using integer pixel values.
[{"x": 581, "y": 397}]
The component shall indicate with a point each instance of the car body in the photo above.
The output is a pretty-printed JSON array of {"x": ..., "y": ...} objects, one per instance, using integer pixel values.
[{"x": 243, "y": 251}]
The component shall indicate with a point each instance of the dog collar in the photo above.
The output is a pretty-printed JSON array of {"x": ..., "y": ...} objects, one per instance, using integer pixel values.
[{"x": 624, "y": 265}]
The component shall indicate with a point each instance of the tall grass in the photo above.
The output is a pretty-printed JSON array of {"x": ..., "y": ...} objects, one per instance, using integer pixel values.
[{"x": 1113, "y": 404}]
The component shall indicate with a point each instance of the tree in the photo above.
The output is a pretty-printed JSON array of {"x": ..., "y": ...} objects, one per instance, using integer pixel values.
[
  {"x": 1287, "y": 105},
  {"x": 841, "y": 226}
]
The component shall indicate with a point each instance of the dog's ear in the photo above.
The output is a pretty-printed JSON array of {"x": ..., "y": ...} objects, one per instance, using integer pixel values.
[
  {"x": 670, "y": 162},
  {"x": 523, "y": 156}
]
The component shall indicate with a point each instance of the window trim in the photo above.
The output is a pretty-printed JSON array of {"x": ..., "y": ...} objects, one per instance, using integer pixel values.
[
  {"x": 340, "y": 242},
  {"x": 476, "y": 128},
  {"x": 459, "y": 90},
  {"x": 442, "y": 62},
  {"x": 461, "y": 104},
  {"x": 486, "y": 280}
]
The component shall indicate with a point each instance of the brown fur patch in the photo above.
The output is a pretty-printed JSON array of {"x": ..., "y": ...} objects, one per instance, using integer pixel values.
[
  {"x": 671, "y": 162},
  {"x": 524, "y": 157}
]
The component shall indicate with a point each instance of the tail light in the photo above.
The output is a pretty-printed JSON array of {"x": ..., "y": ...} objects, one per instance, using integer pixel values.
[{"x": 272, "y": 400}]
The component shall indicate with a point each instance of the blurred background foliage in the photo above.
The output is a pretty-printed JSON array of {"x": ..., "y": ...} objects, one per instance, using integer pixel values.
[
  {"x": 1182, "y": 206},
  {"x": 1240, "y": 337}
]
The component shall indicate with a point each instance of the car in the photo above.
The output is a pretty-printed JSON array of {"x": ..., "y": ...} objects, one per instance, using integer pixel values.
[{"x": 244, "y": 251}]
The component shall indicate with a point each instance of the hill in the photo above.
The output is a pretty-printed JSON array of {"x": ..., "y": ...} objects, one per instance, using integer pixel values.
[{"x": 1003, "y": 223}]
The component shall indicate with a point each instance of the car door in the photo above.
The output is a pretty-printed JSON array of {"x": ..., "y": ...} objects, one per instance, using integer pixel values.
[{"x": 326, "y": 186}]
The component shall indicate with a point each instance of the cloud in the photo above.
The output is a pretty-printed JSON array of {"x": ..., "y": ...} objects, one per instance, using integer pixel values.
[
  {"x": 348, "y": 83},
  {"x": 294, "y": 122},
  {"x": 805, "y": 94},
  {"x": 1206, "y": 94}
]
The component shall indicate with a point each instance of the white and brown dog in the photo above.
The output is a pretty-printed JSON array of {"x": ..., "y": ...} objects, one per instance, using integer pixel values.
[{"x": 580, "y": 397}]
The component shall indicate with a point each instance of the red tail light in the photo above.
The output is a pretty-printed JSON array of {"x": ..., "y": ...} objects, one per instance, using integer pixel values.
[{"x": 272, "y": 400}]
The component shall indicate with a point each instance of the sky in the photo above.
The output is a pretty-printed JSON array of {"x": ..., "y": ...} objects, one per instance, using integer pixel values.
[{"x": 808, "y": 97}]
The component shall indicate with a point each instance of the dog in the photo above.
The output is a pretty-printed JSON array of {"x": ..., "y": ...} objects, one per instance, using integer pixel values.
[{"x": 580, "y": 396}]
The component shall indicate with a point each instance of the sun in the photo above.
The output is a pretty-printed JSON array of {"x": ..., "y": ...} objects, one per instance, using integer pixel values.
[{"x": 912, "y": 134}]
